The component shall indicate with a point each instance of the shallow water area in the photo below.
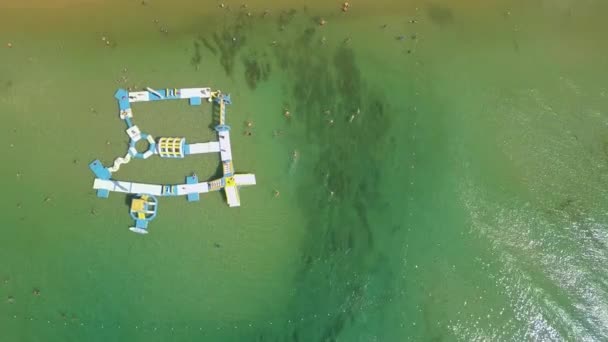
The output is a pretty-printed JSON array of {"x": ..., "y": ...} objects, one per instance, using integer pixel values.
[{"x": 441, "y": 171}]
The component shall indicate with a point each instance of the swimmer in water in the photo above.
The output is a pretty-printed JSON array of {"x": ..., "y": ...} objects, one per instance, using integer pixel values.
[
  {"x": 354, "y": 115},
  {"x": 276, "y": 193}
]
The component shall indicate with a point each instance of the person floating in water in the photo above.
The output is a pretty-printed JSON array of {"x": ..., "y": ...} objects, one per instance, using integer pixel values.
[{"x": 354, "y": 115}]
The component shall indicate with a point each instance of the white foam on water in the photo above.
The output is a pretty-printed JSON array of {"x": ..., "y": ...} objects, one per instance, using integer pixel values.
[{"x": 549, "y": 270}]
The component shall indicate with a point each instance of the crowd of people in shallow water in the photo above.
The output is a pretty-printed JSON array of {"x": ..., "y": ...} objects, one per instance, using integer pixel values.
[
  {"x": 249, "y": 125},
  {"x": 10, "y": 299}
]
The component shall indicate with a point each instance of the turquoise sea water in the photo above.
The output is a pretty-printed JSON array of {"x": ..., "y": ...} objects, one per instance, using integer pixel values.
[{"x": 448, "y": 184}]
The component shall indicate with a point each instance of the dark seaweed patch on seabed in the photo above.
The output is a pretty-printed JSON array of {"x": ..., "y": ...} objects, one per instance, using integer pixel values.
[
  {"x": 440, "y": 15},
  {"x": 341, "y": 230},
  {"x": 229, "y": 41},
  {"x": 208, "y": 45},
  {"x": 196, "y": 55},
  {"x": 342, "y": 233},
  {"x": 285, "y": 18},
  {"x": 257, "y": 68}
]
